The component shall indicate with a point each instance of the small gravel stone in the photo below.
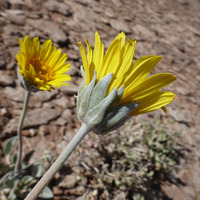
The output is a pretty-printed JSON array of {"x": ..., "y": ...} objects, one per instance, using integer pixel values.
[{"x": 5, "y": 79}]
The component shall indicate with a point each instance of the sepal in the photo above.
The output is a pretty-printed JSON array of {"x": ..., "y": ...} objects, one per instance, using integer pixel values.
[
  {"x": 27, "y": 84},
  {"x": 100, "y": 111}
]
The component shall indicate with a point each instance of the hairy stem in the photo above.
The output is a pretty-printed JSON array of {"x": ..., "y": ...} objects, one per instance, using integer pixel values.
[
  {"x": 58, "y": 163},
  {"x": 19, "y": 130}
]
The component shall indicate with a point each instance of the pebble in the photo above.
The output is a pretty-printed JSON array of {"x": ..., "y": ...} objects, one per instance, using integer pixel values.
[
  {"x": 35, "y": 117},
  {"x": 40, "y": 116},
  {"x": 43, "y": 130},
  {"x": 62, "y": 102},
  {"x": 2, "y": 64},
  {"x": 60, "y": 122},
  {"x": 69, "y": 181},
  {"x": 42, "y": 96},
  {"x": 54, "y": 31},
  {"x": 15, "y": 94},
  {"x": 120, "y": 26},
  {"x": 15, "y": 16},
  {"x": 5, "y": 79},
  {"x": 69, "y": 90},
  {"x": 66, "y": 115},
  {"x": 58, "y": 7}
]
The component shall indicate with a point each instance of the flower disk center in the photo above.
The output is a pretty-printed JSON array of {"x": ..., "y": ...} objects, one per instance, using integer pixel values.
[{"x": 41, "y": 69}]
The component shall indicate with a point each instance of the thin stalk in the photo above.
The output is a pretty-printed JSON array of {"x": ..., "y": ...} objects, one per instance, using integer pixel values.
[
  {"x": 19, "y": 130},
  {"x": 34, "y": 193}
]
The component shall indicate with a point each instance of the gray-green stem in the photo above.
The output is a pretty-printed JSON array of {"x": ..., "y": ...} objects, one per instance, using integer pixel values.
[
  {"x": 19, "y": 131},
  {"x": 58, "y": 163}
]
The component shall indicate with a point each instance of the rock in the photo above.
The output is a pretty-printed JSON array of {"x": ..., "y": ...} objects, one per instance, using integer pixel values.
[
  {"x": 109, "y": 12},
  {"x": 182, "y": 116},
  {"x": 3, "y": 121},
  {"x": 73, "y": 70},
  {"x": 35, "y": 117},
  {"x": 162, "y": 48},
  {"x": 14, "y": 50},
  {"x": 69, "y": 181},
  {"x": 72, "y": 55},
  {"x": 2, "y": 21},
  {"x": 120, "y": 26},
  {"x": 184, "y": 193},
  {"x": 15, "y": 16},
  {"x": 142, "y": 32},
  {"x": 18, "y": 4},
  {"x": 62, "y": 102},
  {"x": 15, "y": 94},
  {"x": 57, "y": 192},
  {"x": 52, "y": 29},
  {"x": 5, "y": 79},
  {"x": 2, "y": 64},
  {"x": 189, "y": 177},
  {"x": 67, "y": 114},
  {"x": 4, "y": 112},
  {"x": 34, "y": 15},
  {"x": 117, "y": 3},
  {"x": 29, "y": 133},
  {"x": 42, "y": 96},
  {"x": 47, "y": 105},
  {"x": 53, "y": 131},
  {"x": 11, "y": 65},
  {"x": 5, "y": 4},
  {"x": 72, "y": 89},
  {"x": 77, "y": 191},
  {"x": 43, "y": 130},
  {"x": 40, "y": 116},
  {"x": 10, "y": 128},
  {"x": 11, "y": 42},
  {"x": 60, "y": 122},
  {"x": 83, "y": 2},
  {"x": 58, "y": 7}
]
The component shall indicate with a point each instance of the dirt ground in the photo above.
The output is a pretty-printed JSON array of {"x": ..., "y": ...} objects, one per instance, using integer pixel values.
[{"x": 170, "y": 28}]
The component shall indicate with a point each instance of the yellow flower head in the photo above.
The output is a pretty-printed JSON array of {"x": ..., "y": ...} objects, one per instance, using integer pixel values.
[
  {"x": 42, "y": 67},
  {"x": 133, "y": 76}
]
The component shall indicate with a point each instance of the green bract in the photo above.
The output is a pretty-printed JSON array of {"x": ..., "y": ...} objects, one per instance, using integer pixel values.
[
  {"x": 26, "y": 84},
  {"x": 100, "y": 111}
]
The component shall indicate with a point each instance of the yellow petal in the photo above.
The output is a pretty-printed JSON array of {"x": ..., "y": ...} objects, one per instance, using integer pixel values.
[
  {"x": 31, "y": 72},
  {"x": 21, "y": 45},
  {"x": 85, "y": 62},
  {"x": 28, "y": 47},
  {"x": 111, "y": 59},
  {"x": 148, "y": 86},
  {"x": 98, "y": 53},
  {"x": 122, "y": 37},
  {"x": 153, "y": 102},
  {"x": 90, "y": 58},
  {"x": 139, "y": 70},
  {"x": 62, "y": 68},
  {"x": 46, "y": 49},
  {"x": 54, "y": 57},
  {"x": 60, "y": 64},
  {"x": 36, "y": 44},
  {"x": 126, "y": 58}
]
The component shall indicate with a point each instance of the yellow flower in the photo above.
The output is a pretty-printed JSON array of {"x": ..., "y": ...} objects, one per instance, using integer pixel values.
[
  {"x": 42, "y": 67},
  {"x": 138, "y": 88}
]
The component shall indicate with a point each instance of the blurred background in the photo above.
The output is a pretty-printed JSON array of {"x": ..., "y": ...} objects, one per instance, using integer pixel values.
[{"x": 134, "y": 162}]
